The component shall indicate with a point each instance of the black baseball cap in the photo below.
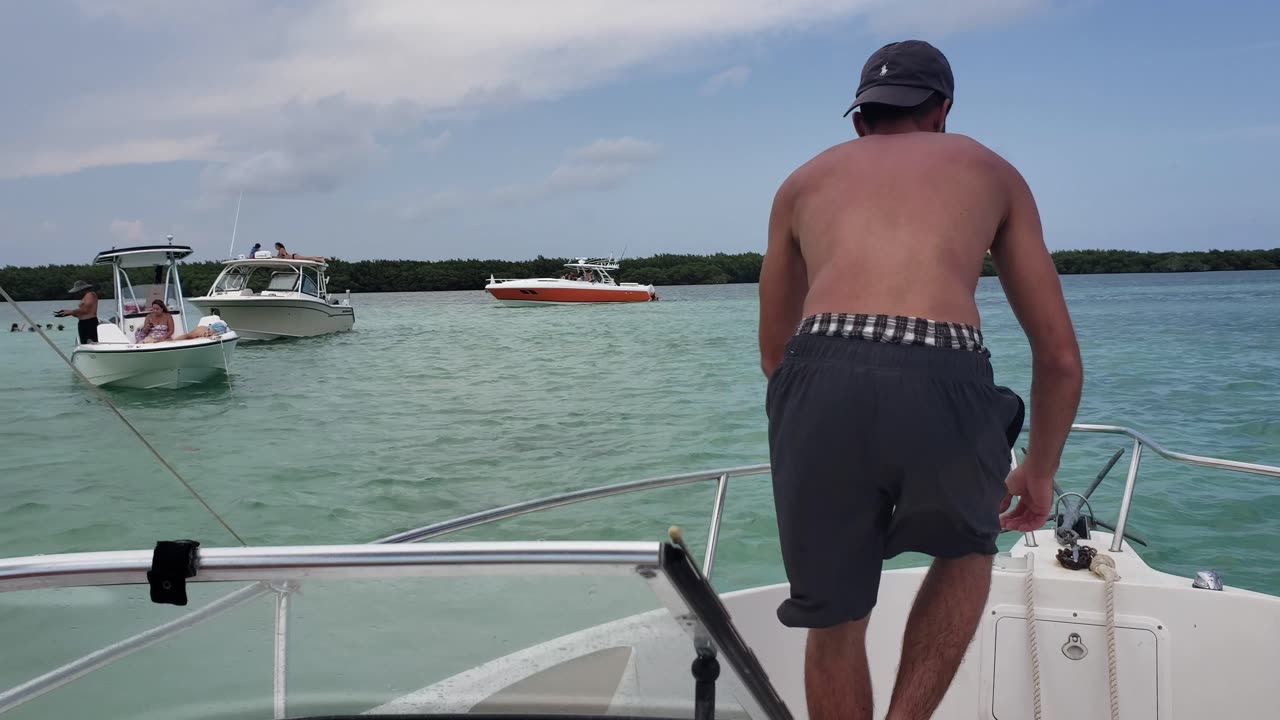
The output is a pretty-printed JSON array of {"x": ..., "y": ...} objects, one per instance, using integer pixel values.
[{"x": 904, "y": 74}]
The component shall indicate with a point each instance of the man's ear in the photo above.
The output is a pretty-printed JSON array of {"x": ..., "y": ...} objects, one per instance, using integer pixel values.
[{"x": 859, "y": 125}]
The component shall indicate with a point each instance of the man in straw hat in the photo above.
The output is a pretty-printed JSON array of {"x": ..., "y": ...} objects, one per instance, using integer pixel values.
[{"x": 87, "y": 311}]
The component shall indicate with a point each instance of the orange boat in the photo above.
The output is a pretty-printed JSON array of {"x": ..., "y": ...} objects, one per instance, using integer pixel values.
[{"x": 584, "y": 281}]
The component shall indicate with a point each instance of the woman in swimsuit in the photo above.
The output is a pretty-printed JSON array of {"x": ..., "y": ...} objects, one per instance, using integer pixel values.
[
  {"x": 213, "y": 329},
  {"x": 282, "y": 253},
  {"x": 159, "y": 324}
]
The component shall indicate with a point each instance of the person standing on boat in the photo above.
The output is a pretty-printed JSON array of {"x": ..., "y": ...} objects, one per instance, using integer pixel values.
[
  {"x": 887, "y": 432},
  {"x": 87, "y": 311}
]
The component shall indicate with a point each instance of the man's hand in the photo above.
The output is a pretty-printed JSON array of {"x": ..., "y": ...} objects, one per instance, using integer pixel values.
[
  {"x": 59, "y": 313},
  {"x": 1035, "y": 499}
]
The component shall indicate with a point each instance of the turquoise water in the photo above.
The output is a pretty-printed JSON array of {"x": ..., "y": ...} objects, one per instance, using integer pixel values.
[{"x": 442, "y": 404}]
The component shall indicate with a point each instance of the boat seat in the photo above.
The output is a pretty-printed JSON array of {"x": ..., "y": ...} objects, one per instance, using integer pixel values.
[
  {"x": 247, "y": 291},
  {"x": 109, "y": 333}
]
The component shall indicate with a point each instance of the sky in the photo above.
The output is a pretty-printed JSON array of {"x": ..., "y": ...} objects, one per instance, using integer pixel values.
[{"x": 516, "y": 128}]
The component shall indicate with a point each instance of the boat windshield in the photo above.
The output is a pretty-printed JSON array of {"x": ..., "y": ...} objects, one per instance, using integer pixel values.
[
  {"x": 139, "y": 286},
  {"x": 578, "y": 640},
  {"x": 285, "y": 281},
  {"x": 233, "y": 280}
]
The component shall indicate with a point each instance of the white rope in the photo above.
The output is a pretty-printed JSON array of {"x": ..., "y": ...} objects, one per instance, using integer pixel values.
[
  {"x": 1031, "y": 637},
  {"x": 226, "y": 367},
  {"x": 1105, "y": 567}
]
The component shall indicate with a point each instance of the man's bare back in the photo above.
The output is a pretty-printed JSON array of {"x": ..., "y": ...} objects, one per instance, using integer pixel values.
[{"x": 898, "y": 224}]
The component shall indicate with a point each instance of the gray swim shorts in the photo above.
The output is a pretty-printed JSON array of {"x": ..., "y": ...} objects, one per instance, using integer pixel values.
[{"x": 882, "y": 442}]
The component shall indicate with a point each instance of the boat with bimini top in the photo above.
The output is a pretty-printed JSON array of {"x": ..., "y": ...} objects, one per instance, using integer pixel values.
[
  {"x": 265, "y": 298},
  {"x": 585, "y": 280},
  {"x": 142, "y": 276}
]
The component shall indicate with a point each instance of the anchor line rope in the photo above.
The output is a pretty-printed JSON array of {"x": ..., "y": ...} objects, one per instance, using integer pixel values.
[
  {"x": 102, "y": 395},
  {"x": 1105, "y": 567},
  {"x": 226, "y": 367},
  {"x": 1030, "y": 593}
]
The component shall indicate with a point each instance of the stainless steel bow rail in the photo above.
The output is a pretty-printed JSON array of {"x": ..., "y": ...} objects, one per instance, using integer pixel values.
[{"x": 279, "y": 570}]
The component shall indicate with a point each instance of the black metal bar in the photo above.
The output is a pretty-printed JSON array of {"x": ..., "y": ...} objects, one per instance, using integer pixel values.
[
  {"x": 702, "y": 599},
  {"x": 1115, "y": 457},
  {"x": 705, "y": 671}
]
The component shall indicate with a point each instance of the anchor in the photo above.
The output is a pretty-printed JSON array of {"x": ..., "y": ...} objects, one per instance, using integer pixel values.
[{"x": 1071, "y": 521}]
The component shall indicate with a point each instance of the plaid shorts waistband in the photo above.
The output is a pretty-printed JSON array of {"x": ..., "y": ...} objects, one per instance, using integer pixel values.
[{"x": 895, "y": 329}]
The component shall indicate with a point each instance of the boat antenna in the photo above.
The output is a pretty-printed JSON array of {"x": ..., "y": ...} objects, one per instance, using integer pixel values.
[
  {"x": 102, "y": 395},
  {"x": 231, "y": 251}
]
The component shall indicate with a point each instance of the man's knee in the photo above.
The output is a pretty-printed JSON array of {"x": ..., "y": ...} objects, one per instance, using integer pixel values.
[
  {"x": 976, "y": 564},
  {"x": 842, "y": 635}
]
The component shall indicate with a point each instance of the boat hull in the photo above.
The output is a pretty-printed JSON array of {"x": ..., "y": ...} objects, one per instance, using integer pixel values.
[
  {"x": 165, "y": 365},
  {"x": 261, "y": 318},
  {"x": 524, "y": 293}
]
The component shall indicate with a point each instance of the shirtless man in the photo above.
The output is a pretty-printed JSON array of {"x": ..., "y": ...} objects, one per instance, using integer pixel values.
[
  {"x": 87, "y": 311},
  {"x": 887, "y": 433}
]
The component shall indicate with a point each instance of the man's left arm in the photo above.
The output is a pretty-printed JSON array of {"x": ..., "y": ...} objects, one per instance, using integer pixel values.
[{"x": 783, "y": 282}]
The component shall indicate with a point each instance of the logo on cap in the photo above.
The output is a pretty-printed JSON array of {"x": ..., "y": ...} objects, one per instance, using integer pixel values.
[{"x": 884, "y": 69}]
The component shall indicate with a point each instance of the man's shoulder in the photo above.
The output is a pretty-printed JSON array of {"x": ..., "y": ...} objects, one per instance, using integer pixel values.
[
  {"x": 979, "y": 152},
  {"x": 971, "y": 148},
  {"x": 815, "y": 167}
]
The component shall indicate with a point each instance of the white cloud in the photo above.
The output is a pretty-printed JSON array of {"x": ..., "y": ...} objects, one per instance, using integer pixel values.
[
  {"x": 1269, "y": 131},
  {"x": 126, "y": 230},
  {"x": 292, "y": 97},
  {"x": 940, "y": 17},
  {"x": 18, "y": 160},
  {"x": 600, "y": 166},
  {"x": 734, "y": 77},
  {"x": 436, "y": 143},
  {"x": 432, "y": 205}
]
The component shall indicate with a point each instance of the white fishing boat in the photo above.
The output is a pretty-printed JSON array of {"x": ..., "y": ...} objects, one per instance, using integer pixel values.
[
  {"x": 141, "y": 275},
  {"x": 293, "y": 298},
  {"x": 550, "y": 629},
  {"x": 584, "y": 280}
]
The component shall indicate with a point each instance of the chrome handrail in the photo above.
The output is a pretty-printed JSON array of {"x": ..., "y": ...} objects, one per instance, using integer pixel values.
[
  {"x": 484, "y": 517},
  {"x": 298, "y": 562},
  {"x": 1141, "y": 440},
  {"x": 104, "y": 656}
]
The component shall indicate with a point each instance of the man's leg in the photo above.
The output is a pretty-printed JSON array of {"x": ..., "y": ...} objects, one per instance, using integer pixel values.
[
  {"x": 941, "y": 626},
  {"x": 837, "y": 682}
]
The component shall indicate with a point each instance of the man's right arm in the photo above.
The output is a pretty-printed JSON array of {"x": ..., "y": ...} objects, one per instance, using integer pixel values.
[
  {"x": 783, "y": 282},
  {"x": 1031, "y": 284}
]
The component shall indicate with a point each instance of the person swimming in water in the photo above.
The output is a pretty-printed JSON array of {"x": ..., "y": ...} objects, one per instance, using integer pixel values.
[{"x": 282, "y": 253}]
